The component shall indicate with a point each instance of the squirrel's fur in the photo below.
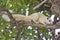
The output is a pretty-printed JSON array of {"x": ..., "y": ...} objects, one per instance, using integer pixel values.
[{"x": 35, "y": 17}]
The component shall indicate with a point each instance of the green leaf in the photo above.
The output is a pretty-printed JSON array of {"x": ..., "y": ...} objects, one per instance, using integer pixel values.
[
  {"x": 46, "y": 5},
  {"x": 8, "y": 4},
  {"x": 47, "y": 35}
]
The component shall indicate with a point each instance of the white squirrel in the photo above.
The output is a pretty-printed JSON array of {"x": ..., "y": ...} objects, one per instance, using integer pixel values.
[
  {"x": 35, "y": 17},
  {"x": 39, "y": 18}
]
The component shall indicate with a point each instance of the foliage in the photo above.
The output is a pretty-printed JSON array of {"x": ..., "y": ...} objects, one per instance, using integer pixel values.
[{"x": 19, "y": 6}]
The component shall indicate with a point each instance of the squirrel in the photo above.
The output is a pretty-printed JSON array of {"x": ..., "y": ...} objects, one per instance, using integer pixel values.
[
  {"x": 39, "y": 18},
  {"x": 35, "y": 17}
]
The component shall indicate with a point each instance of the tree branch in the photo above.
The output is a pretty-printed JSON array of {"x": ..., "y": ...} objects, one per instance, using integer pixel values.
[
  {"x": 12, "y": 20},
  {"x": 39, "y": 4},
  {"x": 27, "y": 23}
]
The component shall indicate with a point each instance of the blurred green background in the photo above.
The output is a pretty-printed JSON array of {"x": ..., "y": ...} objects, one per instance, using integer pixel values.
[{"x": 28, "y": 32}]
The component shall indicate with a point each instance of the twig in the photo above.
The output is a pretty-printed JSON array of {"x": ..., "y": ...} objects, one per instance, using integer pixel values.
[
  {"x": 12, "y": 20},
  {"x": 39, "y": 4},
  {"x": 18, "y": 34}
]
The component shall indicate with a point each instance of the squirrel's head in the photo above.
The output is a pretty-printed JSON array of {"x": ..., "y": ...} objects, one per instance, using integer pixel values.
[{"x": 53, "y": 19}]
